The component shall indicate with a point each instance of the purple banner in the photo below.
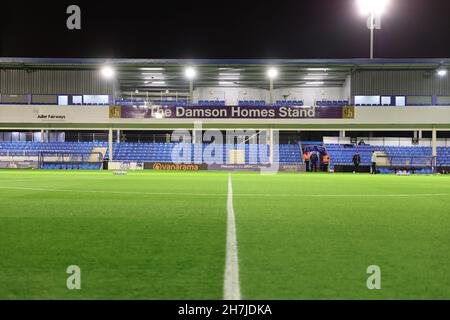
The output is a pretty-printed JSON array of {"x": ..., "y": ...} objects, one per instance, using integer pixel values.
[
  {"x": 256, "y": 167},
  {"x": 231, "y": 112}
]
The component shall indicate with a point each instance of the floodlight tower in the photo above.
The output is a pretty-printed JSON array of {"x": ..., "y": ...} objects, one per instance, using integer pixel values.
[
  {"x": 372, "y": 8},
  {"x": 190, "y": 74},
  {"x": 272, "y": 73},
  {"x": 108, "y": 73}
]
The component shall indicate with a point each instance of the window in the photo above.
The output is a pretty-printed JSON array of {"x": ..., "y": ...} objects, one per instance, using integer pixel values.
[
  {"x": 63, "y": 100},
  {"x": 400, "y": 101},
  {"x": 96, "y": 99},
  {"x": 367, "y": 100},
  {"x": 386, "y": 101},
  {"x": 77, "y": 100}
]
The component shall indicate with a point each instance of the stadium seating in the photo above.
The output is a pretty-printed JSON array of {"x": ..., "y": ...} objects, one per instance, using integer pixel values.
[
  {"x": 211, "y": 103},
  {"x": 144, "y": 152},
  {"x": 251, "y": 103},
  {"x": 443, "y": 157},
  {"x": 290, "y": 103},
  {"x": 334, "y": 103},
  {"x": 343, "y": 155},
  {"x": 162, "y": 152},
  {"x": 182, "y": 103}
]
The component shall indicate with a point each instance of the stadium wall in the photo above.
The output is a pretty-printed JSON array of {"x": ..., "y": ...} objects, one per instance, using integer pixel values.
[
  {"x": 399, "y": 82},
  {"x": 98, "y": 117},
  {"x": 42, "y": 82}
]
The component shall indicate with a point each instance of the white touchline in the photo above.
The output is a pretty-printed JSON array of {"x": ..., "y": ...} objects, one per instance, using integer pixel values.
[{"x": 232, "y": 289}]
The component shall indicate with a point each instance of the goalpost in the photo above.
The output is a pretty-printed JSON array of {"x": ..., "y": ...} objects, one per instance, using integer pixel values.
[
  {"x": 70, "y": 160},
  {"x": 19, "y": 159},
  {"x": 412, "y": 164},
  {"x": 28, "y": 159}
]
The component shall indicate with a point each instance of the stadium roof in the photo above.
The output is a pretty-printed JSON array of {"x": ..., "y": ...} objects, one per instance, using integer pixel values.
[{"x": 155, "y": 75}]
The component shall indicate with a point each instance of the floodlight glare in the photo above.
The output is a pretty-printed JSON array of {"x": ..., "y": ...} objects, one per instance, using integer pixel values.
[
  {"x": 367, "y": 7},
  {"x": 190, "y": 73},
  {"x": 442, "y": 72},
  {"x": 107, "y": 72},
  {"x": 272, "y": 73}
]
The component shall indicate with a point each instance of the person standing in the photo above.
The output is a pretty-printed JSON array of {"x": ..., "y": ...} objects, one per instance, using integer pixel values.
[
  {"x": 325, "y": 162},
  {"x": 374, "y": 163},
  {"x": 314, "y": 159},
  {"x": 356, "y": 162},
  {"x": 306, "y": 156}
]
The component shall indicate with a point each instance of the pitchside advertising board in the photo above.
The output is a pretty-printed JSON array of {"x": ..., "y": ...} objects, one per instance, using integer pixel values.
[
  {"x": 161, "y": 166},
  {"x": 230, "y": 112}
]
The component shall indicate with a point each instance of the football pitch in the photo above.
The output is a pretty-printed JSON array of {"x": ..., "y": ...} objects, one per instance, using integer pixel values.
[{"x": 163, "y": 235}]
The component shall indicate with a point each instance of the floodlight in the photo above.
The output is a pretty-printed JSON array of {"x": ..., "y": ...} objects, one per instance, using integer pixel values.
[
  {"x": 107, "y": 72},
  {"x": 152, "y": 69},
  {"x": 442, "y": 72},
  {"x": 190, "y": 73},
  {"x": 272, "y": 73},
  {"x": 374, "y": 9},
  {"x": 377, "y": 7}
]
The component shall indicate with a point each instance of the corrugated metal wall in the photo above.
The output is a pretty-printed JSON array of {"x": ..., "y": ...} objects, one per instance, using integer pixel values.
[
  {"x": 403, "y": 82},
  {"x": 53, "y": 82}
]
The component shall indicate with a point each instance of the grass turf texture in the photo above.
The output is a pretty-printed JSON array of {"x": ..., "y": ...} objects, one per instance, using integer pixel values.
[{"x": 162, "y": 235}]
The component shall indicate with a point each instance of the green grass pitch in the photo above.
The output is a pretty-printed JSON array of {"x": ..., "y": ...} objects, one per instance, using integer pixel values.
[{"x": 162, "y": 235}]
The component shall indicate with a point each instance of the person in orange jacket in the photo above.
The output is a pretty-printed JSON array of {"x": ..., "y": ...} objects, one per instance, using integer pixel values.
[
  {"x": 325, "y": 162},
  {"x": 306, "y": 156}
]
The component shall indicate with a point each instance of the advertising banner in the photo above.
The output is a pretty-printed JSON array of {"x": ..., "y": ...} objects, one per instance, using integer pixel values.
[{"x": 230, "y": 112}]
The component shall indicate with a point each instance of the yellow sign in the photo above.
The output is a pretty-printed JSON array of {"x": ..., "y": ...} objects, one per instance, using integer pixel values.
[
  {"x": 348, "y": 112},
  {"x": 115, "y": 112}
]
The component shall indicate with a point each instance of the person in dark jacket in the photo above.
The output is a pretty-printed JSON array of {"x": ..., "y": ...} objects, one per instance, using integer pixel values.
[
  {"x": 314, "y": 160},
  {"x": 356, "y": 162}
]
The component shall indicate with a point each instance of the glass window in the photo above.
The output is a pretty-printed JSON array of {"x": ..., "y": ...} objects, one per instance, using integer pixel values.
[
  {"x": 96, "y": 99},
  {"x": 386, "y": 101},
  {"x": 77, "y": 99},
  {"x": 400, "y": 101},
  {"x": 15, "y": 136},
  {"x": 367, "y": 100},
  {"x": 63, "y": 100}
]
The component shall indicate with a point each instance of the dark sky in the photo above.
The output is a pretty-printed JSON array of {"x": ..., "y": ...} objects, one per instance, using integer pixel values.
[{"x": 223, "y": 29}]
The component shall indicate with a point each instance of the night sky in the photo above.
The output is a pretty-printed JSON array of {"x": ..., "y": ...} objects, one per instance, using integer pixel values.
[{"x": 223, "y": 29}]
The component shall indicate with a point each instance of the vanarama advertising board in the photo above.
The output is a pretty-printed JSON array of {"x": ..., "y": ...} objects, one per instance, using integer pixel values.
[{"x": 161, "y": 166}]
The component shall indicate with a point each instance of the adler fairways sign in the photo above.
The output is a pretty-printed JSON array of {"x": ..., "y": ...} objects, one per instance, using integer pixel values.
[{"x": 230, "y": 112}]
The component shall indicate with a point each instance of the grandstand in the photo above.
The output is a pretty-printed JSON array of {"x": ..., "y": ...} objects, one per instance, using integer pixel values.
[
  {"x": 342, "y": 101},
  {"x": 186, "y": 149}
]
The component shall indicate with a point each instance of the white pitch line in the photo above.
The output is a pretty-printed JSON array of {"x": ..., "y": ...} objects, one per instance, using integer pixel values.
[
  {"x": 193, "y": 194},
  {"x": 343, "y": 195},
  {"x": 232, "y": 289}
]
